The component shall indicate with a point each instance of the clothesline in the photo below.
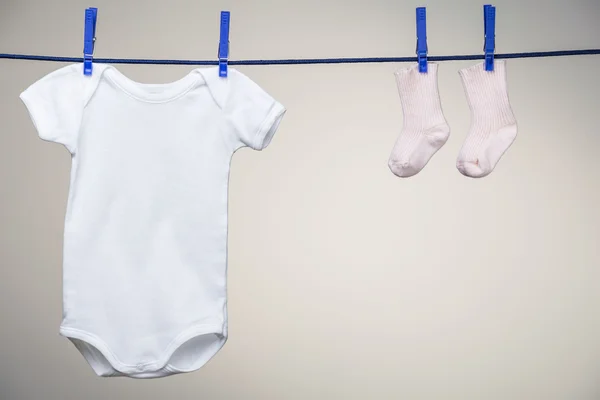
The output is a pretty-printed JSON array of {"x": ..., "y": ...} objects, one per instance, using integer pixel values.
[{"x": 559, "y": 53}]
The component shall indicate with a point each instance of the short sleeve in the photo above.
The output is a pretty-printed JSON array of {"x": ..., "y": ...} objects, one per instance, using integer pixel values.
[
  {"x": 253, "y": 113},
  {"x": 55, "y": 105}
]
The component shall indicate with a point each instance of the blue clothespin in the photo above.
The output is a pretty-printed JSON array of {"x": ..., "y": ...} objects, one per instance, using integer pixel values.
[
  {"x": 224, "y": 44},
  {"x": 89, "y": 37},
  {"x": 489, "y": 26},
  {"x": 422, "y": 39}
]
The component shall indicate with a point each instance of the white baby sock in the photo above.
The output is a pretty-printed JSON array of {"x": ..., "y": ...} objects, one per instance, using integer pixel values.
[
  {"x": 493, "y": 125},
  {"x": 425, "y": 129}
]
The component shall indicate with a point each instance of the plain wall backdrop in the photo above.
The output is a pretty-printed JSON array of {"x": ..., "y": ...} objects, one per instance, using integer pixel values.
[{"x": 345, "y": 282}]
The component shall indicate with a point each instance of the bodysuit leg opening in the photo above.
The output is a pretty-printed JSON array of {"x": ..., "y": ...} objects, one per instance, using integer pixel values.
[
  {"x": 195, "y": 352},
  {"x": 95, "y": 358}
]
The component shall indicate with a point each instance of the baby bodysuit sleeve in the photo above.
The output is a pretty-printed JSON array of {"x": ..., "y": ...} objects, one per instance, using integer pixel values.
[
  {"x": 55, "y": 105},
  {"x": 251, "y": 111}
]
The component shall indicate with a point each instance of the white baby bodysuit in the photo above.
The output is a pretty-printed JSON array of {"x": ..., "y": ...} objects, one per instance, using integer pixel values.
[{"x": 145, "y": 239}]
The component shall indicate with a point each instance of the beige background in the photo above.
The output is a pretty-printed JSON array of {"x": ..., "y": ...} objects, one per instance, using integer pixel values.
[{"x": 345, "y": 282}]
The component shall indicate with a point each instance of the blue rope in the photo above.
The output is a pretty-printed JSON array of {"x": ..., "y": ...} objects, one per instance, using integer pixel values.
[{"x": 560, "y": 53}]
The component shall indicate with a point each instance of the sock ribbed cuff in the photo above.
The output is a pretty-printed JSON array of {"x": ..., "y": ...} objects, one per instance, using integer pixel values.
[
  {"x": 487, "y": 92},
  {"x": 419, "y": 95}
]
